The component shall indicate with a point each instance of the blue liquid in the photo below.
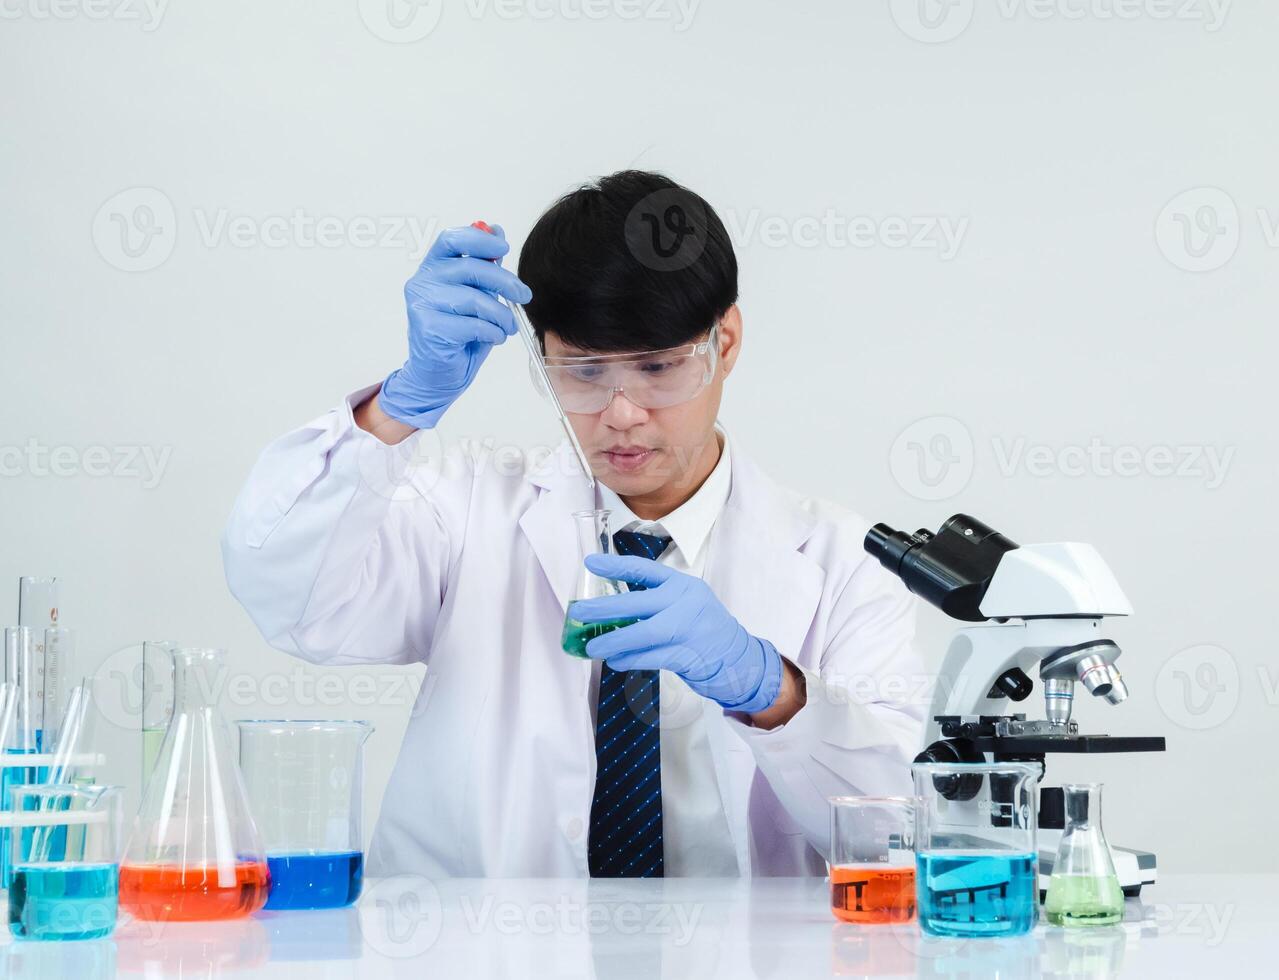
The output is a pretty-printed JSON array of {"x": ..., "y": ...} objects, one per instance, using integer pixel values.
[
  {"x": 322, "y": 880},
  {"x": 63, "y": 901},
  {"x": 976, "y": 894},
  {"x": 9, "y": 778}
]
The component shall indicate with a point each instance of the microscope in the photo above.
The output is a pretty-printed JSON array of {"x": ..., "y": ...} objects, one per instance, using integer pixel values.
[{"x": 1038, "y": 610}]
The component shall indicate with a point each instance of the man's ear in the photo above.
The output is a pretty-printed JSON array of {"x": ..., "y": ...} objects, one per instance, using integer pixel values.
[{"x": 730, "y": 338}]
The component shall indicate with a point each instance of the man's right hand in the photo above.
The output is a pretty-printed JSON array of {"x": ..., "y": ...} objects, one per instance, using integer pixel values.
[{"x": 455, "y": 318}]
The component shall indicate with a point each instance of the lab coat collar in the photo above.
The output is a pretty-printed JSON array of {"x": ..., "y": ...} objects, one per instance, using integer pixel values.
[
  {"x": 689, "y": 524},
  {"x": 760, "y": 523}
]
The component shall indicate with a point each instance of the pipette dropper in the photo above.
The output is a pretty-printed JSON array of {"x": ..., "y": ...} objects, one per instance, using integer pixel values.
[{"x": 535, "y": 352}]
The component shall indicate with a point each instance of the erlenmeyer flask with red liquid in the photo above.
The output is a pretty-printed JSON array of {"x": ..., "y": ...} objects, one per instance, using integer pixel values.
[{"x": 194, "y": 853}]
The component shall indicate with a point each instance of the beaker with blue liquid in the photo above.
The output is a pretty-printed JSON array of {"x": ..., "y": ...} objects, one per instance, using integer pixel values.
[
  {"x": 304, "y": 784},
  {"x": 66, "y": 846},
  {"x": 976, "y": 858}
]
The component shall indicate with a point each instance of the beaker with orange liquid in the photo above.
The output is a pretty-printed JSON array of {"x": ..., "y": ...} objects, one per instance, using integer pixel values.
[
  {"x": 872, "y": 859},
  {"x": 194, "y": 853}
]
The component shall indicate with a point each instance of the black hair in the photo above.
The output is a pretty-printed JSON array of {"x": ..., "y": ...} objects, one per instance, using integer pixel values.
[{"x": 632, "y": 261}]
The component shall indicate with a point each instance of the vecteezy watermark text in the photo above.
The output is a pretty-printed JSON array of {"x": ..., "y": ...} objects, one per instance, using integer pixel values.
[
  {"x": 1208, "y": 464},
  {"x": 145, "y": 464},
  {"x": 137, "y": 229},
  {"x": 568, "y": 916},
  {"x": 934, "y": 458},
  {"x": 939, "y": 233},
  {"x": 938, "y": 21},
  {"x": 148, "y": 12},
  {"x": 408, "y": 21}
]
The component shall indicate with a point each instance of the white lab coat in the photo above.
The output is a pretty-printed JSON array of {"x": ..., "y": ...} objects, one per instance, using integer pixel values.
[{"x": 469, "y": 566}]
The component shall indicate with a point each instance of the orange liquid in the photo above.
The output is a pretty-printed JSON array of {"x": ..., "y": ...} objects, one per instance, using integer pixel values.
[
  {"x": 171, "y": 893},
  {"x": 870, "y": 894}
]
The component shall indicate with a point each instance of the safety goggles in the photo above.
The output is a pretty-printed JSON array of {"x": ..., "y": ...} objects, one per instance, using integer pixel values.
[{"x": 649, "y": 379}]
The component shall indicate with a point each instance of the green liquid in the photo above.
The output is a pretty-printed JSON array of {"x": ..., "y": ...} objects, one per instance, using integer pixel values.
[
  {"x": 1083, "y": 900},
  {"x": 577, "y": 634},
  {"x": 152, "y": 739}
]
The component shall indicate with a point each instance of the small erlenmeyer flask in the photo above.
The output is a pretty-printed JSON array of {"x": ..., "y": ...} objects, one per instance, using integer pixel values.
[
  {"x": 1084, "y": 889},
  {"x": 593, "y": 539},
  {"x": 194, "y": 853}
]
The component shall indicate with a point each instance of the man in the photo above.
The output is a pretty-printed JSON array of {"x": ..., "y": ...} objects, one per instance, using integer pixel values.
[{"x": 771, "y": 658}]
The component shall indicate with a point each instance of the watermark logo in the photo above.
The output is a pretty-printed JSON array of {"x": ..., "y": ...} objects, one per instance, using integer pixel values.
[
  {"x": 932, "y": 21},
  {"x": 136, "y": 229},
  {"x": 932, "y": 458},
  {"x": 401, "y": 917},
  {"x": 935, "y": 458},
  {"x": 133, "y": 688},
  {"x": 1198, "y": 688},
  {"x": 403, "y": 471},
  {"x": 938, "y": 21},
  {"x": 666, "y": 230},
  {"x": 1198, "y": 230},
  {"x": 401, "y": 21}
]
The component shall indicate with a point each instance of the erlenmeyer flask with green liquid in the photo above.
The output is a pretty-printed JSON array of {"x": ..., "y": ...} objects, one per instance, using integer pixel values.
[
  {"x": 1084, "y": 889},
  {"x": 594, "y": 539}
]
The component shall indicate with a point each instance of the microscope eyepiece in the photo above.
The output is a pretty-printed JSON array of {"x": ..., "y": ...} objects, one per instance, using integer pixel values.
[
  {"x": 951, "y": 569},
  {"x": 890, "y": 546}
]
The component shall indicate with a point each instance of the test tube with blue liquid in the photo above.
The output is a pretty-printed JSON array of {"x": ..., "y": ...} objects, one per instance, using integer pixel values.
[
  {"x": 41, "y": 667},
  {"x": 304, "y": 785},
  {"x": 21, "y": 735}
]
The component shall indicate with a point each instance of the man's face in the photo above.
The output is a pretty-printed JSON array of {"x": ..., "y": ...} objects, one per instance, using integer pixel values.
[{"x": 638, "y": 451}]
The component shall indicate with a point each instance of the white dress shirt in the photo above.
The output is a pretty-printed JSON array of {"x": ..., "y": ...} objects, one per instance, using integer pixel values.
[{"x": 695, "y": 835}]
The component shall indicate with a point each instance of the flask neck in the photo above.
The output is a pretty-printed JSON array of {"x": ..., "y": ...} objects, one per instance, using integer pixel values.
[
  {"x": 1082, "y": 805},
  {"x": 197, "y": 675},
  {"x": 593, "y": 538}
]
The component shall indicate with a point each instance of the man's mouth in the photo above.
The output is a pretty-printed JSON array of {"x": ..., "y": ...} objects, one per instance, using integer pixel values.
[{"x": 628, "y": 458}]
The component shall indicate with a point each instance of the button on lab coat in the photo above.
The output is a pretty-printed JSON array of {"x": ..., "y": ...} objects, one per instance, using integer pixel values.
[{"x": 468, "y": 563}]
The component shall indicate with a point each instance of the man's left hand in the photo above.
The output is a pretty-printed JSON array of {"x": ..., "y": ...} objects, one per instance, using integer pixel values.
[{"x": 681, "y": 627}]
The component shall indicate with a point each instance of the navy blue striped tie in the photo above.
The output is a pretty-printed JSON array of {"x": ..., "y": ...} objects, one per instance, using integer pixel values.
[{"x": 626, "y": 813}]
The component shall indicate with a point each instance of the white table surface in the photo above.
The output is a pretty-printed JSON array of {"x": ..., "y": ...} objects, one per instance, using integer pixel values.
[{"x": 1214, "y": 926}]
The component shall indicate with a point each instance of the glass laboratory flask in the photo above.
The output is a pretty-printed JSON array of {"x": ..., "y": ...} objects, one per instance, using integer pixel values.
[
  {"x": 593, "y": 538},
  {"x": 304, "y": 780},
  {"x": 976, "y": 859},
  {"x": 1083, "y": 889},
  {"x": 194, "y": 853},
  {"x": 66, "y": 845}
]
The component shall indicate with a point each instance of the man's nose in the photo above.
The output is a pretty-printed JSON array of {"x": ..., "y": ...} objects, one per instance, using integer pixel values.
[{"x": 622, "y": 413}]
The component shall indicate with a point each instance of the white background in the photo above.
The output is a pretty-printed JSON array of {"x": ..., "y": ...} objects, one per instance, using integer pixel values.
[{"x": 1061, "y": 138}]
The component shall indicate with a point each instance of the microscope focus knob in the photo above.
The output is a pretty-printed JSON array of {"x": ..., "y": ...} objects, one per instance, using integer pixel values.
[
  {"x": 954, "y": 786},
  {"x": 1015, "y": 684}
]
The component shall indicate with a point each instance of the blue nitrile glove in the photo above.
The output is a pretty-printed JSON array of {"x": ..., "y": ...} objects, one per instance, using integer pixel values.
[
  {"x": 455, "y": 318},
  {"x": 682, "y": 628}
]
